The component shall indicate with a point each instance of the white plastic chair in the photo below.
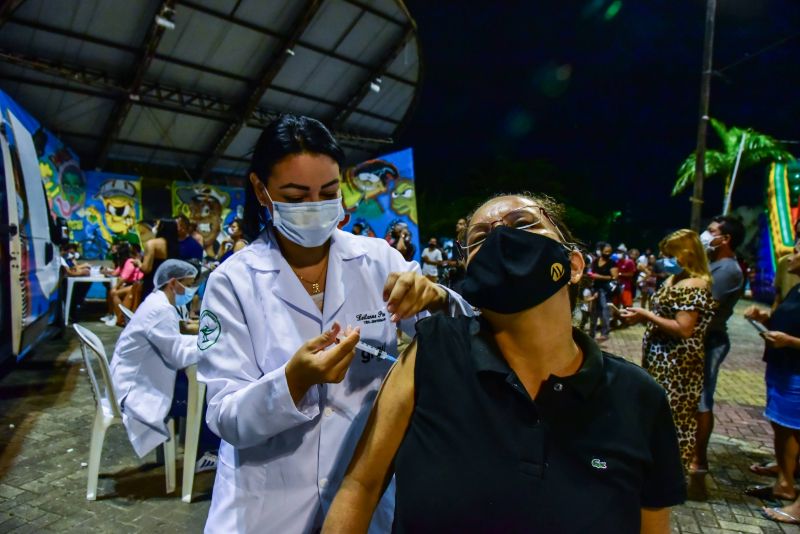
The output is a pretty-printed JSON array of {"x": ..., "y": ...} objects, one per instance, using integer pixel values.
[
  {"x": 108, "y": 413},
  {"x": 194, "y": 412},
  {"x": 126, "y": 312}
]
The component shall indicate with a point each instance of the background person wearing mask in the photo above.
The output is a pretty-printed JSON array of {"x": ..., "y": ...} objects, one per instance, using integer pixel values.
[
  {"x": 721, "y": 238},
  {"x": 148, "y": 355},
  {"x": 517, "y": 421},
  {"x": 289, "y": 402},
  {"x": 673, "y": 344},
  {"x": 626, "y": 267},
  {"x": 604, "y": 273}
]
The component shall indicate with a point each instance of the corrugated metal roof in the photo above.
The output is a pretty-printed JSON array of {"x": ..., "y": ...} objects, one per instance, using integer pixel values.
[{"x": 117, "y": 86}]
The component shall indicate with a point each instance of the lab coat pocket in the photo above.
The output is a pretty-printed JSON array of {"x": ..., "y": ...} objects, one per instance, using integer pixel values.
[{"x": 250, "y": 478}]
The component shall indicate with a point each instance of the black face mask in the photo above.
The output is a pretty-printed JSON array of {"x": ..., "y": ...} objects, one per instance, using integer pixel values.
[{"x": 515, "y": 270}]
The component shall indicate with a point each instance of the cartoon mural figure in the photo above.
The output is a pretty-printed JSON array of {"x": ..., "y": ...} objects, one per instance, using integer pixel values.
[
  {"x": 207, "y": 209},
  {"x": 366, "y": 181},
  {"x": 404, "y": 199},
  {"x": 119, "y": 215},
  {"x": 66, "y": 192},
  {"x": 73, "y": 189},
  {"x": 379, "y": 194}
]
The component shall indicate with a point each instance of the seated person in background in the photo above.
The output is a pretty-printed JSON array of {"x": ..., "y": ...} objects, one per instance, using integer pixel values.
[
  {"x": 69, "y": 261},
  {"x": 69, "y": 255},
  {"x": 148, "y": 355},
  {"x": 516, "y": 421},
  {"x": 129, "y": 275}
]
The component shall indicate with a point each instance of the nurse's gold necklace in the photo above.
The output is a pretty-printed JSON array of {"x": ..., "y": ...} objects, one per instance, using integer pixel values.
[{"x": 315, "y": 289}]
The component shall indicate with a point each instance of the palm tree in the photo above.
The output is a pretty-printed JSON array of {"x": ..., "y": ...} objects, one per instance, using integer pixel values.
[{"x": 742, "y": 149}]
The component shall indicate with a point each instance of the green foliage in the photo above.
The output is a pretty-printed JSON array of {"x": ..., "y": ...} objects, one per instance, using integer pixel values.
[{"x": 758, "y": 148}]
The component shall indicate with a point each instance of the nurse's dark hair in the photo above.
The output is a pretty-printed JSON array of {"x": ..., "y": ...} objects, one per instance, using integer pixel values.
[{"x": 287, "y": 135}]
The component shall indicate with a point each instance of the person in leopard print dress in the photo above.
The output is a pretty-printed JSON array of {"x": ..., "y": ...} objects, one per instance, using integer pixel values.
[{"x": 672, "y": 348}]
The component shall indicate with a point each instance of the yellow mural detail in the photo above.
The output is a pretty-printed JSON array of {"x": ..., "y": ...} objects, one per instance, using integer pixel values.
[{"x": 404, "y": 199}]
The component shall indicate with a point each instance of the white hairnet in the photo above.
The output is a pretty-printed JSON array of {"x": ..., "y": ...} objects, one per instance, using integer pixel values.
[{"x": 173, "y": 269}]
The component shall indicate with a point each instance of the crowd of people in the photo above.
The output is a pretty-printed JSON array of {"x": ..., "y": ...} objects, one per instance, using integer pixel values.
[
  {"x": 502, "y": 405},
  {"x": 134, "y": 267}
]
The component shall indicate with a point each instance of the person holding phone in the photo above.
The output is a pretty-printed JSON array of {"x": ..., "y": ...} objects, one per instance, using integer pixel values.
[{"x": 782, "y": 354}]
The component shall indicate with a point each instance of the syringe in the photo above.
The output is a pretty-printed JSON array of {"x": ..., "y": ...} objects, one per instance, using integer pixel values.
[{"x": 375, "y": 351}]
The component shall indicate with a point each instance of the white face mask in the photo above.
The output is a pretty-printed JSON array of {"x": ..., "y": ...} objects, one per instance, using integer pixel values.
[
  {"x": 706, "y": 238},
  {"x": 308, "y": 224}
]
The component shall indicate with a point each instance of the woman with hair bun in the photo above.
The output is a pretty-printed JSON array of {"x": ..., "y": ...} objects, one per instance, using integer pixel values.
[{"x": 287, "y": 391}]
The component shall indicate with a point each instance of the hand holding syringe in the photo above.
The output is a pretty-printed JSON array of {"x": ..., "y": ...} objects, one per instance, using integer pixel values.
[
  {"x": 369, "y": 349},
  {"x": 375, "y": 351}
]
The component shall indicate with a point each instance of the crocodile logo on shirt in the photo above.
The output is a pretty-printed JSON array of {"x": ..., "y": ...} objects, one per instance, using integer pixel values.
[
  {"x": 598, "y": 464},
  {"x": 209, "y": 330}
]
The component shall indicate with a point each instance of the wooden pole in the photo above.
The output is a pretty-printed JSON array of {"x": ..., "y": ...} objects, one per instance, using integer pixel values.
[{"x": 702, "y": 126}]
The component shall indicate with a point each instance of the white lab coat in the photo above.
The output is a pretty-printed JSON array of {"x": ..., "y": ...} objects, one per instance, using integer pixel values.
[
  {"x": 146, "y": 358},
  {"x": 281, "y": 465}
]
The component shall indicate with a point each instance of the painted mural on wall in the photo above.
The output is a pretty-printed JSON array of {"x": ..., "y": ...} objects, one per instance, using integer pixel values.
[
  {"x": 109, "y": 211},
  {"x": 210, "y": 207},
  {"x": 64, "y": 181},
  {"x": 379, "y": 193}
]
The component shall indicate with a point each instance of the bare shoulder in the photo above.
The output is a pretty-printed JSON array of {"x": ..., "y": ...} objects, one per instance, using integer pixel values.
[{"x": 693, "y": 282}]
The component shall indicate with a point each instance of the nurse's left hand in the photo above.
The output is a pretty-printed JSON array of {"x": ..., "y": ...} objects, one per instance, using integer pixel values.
[{"x": 408, "y": 293}]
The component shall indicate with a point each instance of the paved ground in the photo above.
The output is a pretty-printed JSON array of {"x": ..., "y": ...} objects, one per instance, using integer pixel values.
[{"x": 46, "y": 411}]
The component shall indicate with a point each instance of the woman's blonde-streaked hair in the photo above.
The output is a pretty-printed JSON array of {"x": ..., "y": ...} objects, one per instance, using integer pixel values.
[{"x": 685, "y": 245}]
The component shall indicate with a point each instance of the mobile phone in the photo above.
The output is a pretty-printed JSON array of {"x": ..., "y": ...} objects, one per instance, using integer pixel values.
[{"x": 758, "y": 326}]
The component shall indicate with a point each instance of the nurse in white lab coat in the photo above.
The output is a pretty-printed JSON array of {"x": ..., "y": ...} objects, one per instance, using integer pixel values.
[
  {"x": 288, "y": 402},
  {"x": 149, "y": 353}
]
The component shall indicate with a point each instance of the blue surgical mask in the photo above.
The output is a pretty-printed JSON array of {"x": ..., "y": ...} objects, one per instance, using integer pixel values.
[
  {"x": 308, "y": 224},
  {"x": 672, "y": 266},
  {"x": 186, "y": 297}
]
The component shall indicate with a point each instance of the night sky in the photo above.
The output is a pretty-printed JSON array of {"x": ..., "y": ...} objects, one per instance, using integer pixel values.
[{"x": 603, "y": 93}]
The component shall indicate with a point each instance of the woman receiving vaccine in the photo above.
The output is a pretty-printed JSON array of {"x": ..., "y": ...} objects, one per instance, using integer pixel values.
[{"x": 288, "y": 391}]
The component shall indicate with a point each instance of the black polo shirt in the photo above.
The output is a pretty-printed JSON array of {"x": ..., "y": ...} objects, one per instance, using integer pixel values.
[{"x": 481, "y": 456}]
